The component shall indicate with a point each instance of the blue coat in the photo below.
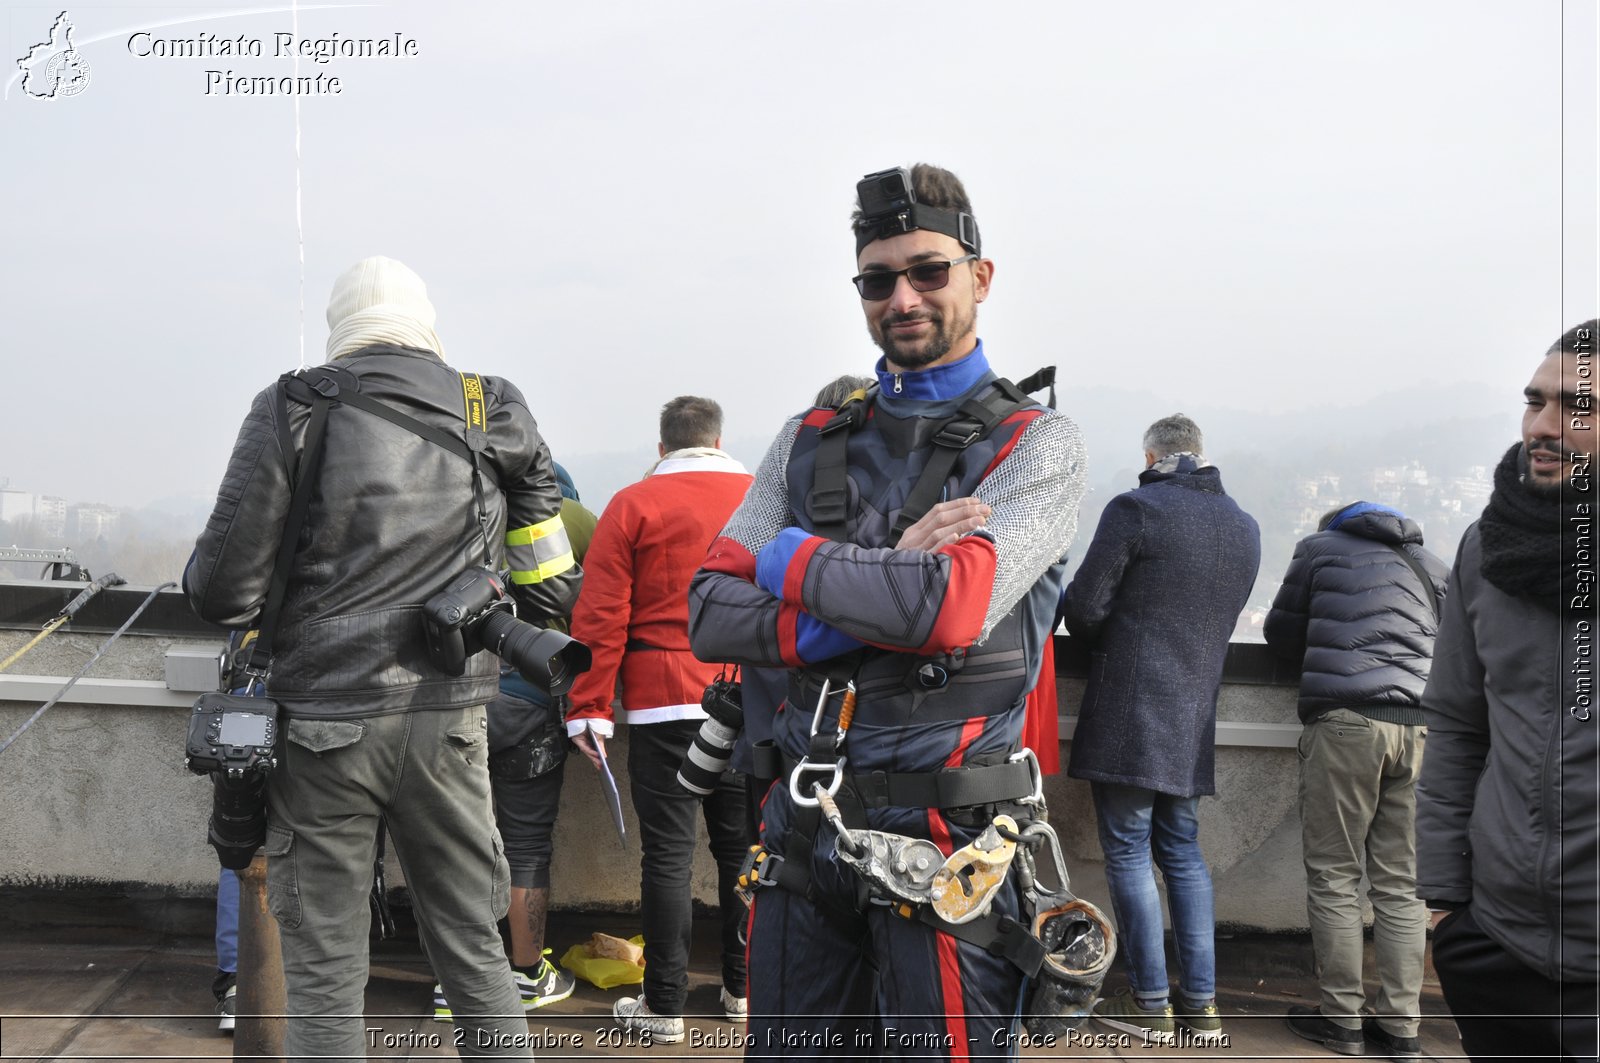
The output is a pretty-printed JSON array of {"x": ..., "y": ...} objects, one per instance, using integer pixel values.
[{"x": 1157, "y": 597}]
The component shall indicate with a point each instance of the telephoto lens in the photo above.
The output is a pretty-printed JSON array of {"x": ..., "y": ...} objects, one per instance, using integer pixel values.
[
  {"x": 708, "y": 755},
  {"x": 238, "y": 817},
  {"x": 707, "y": 758},
  {"x": 548, "y": 659}
]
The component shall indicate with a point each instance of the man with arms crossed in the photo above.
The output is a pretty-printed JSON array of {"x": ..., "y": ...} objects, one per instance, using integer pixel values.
[{"x": 938, "y": 622}]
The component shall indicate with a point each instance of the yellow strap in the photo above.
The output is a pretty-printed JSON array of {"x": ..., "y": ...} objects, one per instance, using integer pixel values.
[
  {"x": 472, "y": 395},
  {"x": 534, "y": 532},
  {"x": 51, "y": 626},
  {"x": 553, "y": 567}
]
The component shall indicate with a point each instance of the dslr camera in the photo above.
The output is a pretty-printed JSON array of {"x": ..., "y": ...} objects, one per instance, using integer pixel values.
[
  {"x": 474, "y": 613},
  {"x": 233, "y": 737},
  {"x": 712, "y": 747}
]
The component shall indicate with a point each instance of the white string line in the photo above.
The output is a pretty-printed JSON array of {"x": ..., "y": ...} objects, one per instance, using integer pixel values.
[{"x": 299, "y": 220}]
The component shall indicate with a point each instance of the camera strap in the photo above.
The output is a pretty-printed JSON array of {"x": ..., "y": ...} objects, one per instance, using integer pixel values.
[
  {"x": 299, "y": 503},
  {"x": 468, "y": 447}
]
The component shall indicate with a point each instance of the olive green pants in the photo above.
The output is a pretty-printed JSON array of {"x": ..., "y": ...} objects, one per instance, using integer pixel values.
[
  {"x": 1358, "y": 806},
  {"x": 426, "y": 772}
]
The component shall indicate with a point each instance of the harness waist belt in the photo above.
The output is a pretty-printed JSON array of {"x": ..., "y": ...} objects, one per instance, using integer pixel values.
[{"x": 946, "y": 788}]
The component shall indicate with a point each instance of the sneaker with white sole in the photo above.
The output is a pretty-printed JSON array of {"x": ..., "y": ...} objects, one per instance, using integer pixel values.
[
  {"x": 549, "y": 984},
  {"x": 1203, "y": 1024},
  {"x": 225, "y": 1009},
  {"x": 737, "y": 1009},
  {"x": 1122, "y": 1012},
  {"x": 441, "y": 1006},
  {"x": 633, "y": 1014}
]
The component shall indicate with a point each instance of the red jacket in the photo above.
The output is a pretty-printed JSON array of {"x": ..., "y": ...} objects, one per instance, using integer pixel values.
[{"x": 633, "y": 611}]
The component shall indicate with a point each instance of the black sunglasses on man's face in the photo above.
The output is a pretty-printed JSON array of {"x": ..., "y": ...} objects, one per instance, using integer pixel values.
[{"x": 875, "y": 285}]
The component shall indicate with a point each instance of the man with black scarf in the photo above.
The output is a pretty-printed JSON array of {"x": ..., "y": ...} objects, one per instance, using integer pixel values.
[{"x": 1508, "y": 821}]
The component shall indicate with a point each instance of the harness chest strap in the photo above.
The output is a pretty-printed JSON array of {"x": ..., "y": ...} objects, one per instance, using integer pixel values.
[{"x": 975, "y": 419}]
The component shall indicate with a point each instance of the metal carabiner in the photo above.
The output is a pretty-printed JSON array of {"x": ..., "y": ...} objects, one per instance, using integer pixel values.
[
  {"x": 1040, "y": 833},
  {"x": 1037, "y": 797},
  {"x": 808, "y": 767},
  {"x": 805, "y": 768},
  {"x": 822, "y": 703}
]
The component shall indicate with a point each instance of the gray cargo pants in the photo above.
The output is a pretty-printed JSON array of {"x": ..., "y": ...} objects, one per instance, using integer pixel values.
[{"x": 426, "y": 772}]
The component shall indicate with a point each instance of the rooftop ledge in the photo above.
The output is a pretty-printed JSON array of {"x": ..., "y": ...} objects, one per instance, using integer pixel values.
[{"x": 27, "y": 605}]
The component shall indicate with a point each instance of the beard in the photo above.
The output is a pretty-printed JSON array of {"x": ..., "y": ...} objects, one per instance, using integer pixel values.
[
  {"x": 915, "y": 354},
  {"x": 1552, "y": 486}
]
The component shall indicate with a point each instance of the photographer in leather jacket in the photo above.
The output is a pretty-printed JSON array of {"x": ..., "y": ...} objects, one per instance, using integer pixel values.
[{"x": 374, "y": 727}]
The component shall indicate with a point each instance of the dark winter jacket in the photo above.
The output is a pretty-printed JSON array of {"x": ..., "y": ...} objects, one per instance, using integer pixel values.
[
  {"x": 392, "y": 521},
  {"x": 1157, "y": 596},
  {"x": 1361, "y": 619},
  {"x": 1507, "y": 804}
]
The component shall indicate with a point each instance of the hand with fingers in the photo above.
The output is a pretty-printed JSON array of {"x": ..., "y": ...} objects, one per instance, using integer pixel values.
[
  {"x": 593, "y": 745},
  {"x": 945, "y": 523}
]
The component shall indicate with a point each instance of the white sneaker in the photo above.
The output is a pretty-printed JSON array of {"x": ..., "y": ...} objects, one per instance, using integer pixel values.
[
  {"x": 225, "y": 1006},
  {"x": 632, "y": 1013},
  {"x": 737, "y": 1009}
]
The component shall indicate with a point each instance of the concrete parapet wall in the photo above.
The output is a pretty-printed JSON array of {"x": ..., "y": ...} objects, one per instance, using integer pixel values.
[{"x": 97, "y": 793}]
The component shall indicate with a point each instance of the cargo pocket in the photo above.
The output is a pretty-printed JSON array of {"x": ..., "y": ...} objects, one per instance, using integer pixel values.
[
  {"x": 471, "y": 741},
  {"x": 500, "y": 892},
  {"x": 283, "y": 884},
  {"x": 321, "y": 736}
]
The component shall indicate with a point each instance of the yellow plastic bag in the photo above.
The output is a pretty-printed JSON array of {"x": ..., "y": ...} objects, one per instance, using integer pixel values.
[{"x": 602, "y": 972}]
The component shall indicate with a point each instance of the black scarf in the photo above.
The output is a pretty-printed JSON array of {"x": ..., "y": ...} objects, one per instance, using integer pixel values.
[{"x": 1525, "y": 534}]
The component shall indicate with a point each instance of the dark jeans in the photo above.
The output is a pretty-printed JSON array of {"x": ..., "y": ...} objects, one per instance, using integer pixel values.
[
  {"x": 1502, "y": 1006},
  {"x": 667, "y": 814}
]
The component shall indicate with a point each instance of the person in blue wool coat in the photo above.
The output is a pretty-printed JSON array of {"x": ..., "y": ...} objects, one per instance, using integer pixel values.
[{"x": 1156, "y": 598}]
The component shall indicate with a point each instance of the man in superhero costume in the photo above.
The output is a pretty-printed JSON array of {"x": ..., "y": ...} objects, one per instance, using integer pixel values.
[{"x": 931, "y": 596}]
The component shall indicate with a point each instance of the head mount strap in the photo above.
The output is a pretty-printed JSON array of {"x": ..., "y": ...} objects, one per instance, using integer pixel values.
[{"x": 957, "y": 225}]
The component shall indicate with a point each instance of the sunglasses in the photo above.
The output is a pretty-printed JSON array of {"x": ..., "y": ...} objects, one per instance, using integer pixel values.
[{"x": 878, "y": 284}]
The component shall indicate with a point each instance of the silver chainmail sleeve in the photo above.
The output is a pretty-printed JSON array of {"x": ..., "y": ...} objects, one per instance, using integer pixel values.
[
  {"x": 1034, "y": 495},
  {"x": 765, "y": 509}
]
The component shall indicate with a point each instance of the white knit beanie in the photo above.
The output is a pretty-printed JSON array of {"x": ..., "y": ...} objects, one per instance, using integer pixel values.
[{"x": 379, "y": 300}]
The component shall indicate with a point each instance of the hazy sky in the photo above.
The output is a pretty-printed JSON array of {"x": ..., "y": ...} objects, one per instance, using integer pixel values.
[{"x": 1253, "y": 203}]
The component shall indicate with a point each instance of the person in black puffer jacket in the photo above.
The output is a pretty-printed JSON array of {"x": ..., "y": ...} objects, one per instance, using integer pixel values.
[{"x": 1358, "y": 609}]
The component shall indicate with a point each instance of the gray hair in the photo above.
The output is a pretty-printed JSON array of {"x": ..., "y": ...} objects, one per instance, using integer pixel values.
[
  {"x": 1172, "y": 435},
  {"x": 690, "y": 421},
  {"x": 834, "y": 392}
]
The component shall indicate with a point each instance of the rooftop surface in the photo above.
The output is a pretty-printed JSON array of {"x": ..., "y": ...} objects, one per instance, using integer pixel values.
[{"x": 81, "y": 980}]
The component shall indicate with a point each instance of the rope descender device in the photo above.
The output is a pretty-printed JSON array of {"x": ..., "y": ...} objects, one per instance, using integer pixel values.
[
  {"x": 964, "y": 886},
  {"x": 820, "y": 746}
]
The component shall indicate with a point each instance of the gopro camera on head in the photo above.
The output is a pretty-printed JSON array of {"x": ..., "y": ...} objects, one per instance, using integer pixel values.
[
  {"x": 888, "y": 204},
  {"x": 885, "y": 192}
]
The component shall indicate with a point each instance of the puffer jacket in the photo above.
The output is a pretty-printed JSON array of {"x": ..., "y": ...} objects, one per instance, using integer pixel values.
[
  {"x": 392, "y": 520},
  {"x": 1507, "y": 811},
  {"x": 1356, "y": 616}
]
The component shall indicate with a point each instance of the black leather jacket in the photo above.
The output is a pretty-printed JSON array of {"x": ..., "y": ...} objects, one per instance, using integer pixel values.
[{"x": 392, "y": 519}]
